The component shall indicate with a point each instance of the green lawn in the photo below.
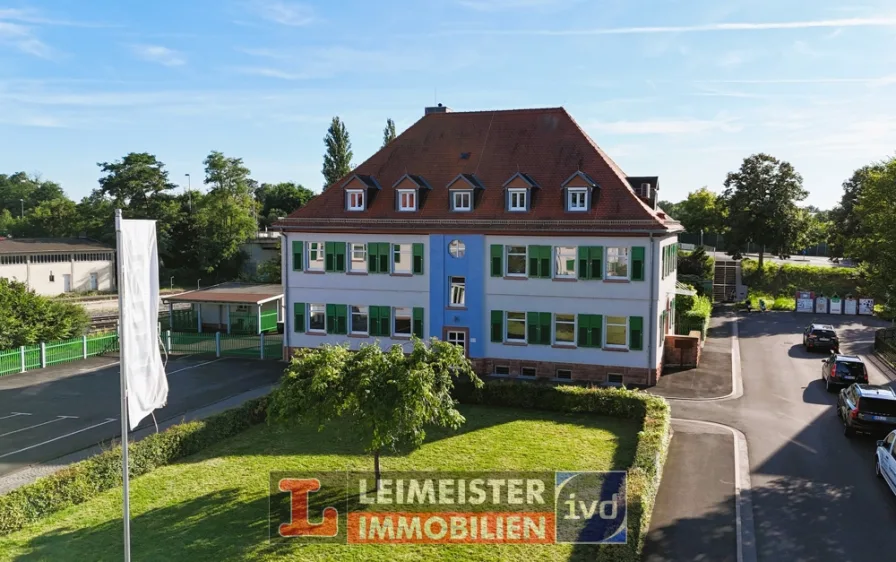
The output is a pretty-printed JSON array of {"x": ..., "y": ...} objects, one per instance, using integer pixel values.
[{"x": 213, "y": 507}]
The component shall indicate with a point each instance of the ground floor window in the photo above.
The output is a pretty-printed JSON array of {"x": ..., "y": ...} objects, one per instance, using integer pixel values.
[
  {"x": 617, "y": 331},
  {"x": 564, "y": 374},
  {"x": 516, "y": 327},
  {"x": 502, "y": 370},
  {"x": 528, "y": 372},
  {"x": 317, "y": 317},
  {"x": 360, "y": 316},
  {"x": 458, "y": 337},
  {"x": 402, "y": 317},
  {"x": 565, "y": 329}
]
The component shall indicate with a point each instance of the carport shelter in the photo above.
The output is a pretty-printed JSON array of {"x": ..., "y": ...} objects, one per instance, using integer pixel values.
[{"x": 233, "y": 308}]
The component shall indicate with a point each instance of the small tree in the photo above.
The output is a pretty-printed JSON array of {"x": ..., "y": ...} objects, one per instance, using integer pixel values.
[
  {"x": 389, "y": 132},
  {"x": 338, "y": 158},
  {"x": 389, "y": 396}
]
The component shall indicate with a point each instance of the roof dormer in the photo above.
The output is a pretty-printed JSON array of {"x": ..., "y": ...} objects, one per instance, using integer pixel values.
[
  {"x": 463, "y": 191},
  {"x": 410, "y": 192},
  {"x": 360, "y": 190},
  {"x": 518, "y": 192},
  {"x": 579, "y": 192}
]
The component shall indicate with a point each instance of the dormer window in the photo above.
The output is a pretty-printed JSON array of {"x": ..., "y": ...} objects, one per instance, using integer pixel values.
[
  {"x": 577, "y": 199},
  {"x": 462, "y": 200},
  {"x": 354, "y": 199},
  {"x": 407, "y": 200},
  {"x": 518, "y": 199}
]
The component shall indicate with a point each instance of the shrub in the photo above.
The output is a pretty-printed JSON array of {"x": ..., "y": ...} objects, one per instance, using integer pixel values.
[
  {"x": 786, "y": 279},
  {"x": 27, "y": 318},
  {"x": 697, "y": 263},
  {"x": 783, "y": 302},
  {"x": 693, "y": 312},
  {"x": 88, "y": 478}
]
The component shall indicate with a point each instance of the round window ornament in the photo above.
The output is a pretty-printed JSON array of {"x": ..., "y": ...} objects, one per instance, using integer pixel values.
[{"x": 457, "y": 249}]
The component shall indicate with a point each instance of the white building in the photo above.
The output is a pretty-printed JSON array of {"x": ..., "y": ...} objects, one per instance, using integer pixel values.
[
  {"x": 507, "y": 232},
  {"x": 52, "y": 266}
]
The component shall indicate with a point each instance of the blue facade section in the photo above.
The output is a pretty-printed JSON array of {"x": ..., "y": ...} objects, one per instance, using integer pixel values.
[{"x": 472, "y": 268}]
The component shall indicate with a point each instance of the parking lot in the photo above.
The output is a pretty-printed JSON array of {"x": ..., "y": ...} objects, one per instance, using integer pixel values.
[{"x": 50, "y": 413}]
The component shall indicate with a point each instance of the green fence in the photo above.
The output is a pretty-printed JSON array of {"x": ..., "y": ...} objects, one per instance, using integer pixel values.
[
  {"x": 269, "y": 320},
  {"x": 180, "y": 321},
  {"x": 10, "y": 362},
  {"x": 54, "y": 353},
  {"x": 64, "y": 351},
  {"x": 181, "y": 342},
  {"x": 273, "y": 346}
]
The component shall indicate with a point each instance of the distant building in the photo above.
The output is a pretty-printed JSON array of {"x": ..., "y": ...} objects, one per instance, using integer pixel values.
[{"x": 52, "y": 266}]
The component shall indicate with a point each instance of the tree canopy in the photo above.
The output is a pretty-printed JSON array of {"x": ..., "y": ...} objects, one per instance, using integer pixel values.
[
  {"x": 27, "y": 318},
  {"x": 702, "y": 210},
  {"x": 134, "y": 179},
  {"x": 338, "y": 157},
  {"x": 279, "y": 200},
  {"x": 389, "y": 132}
]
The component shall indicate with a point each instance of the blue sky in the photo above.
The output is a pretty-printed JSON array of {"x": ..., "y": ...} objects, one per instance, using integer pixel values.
[{"x": 683, "y": 89}]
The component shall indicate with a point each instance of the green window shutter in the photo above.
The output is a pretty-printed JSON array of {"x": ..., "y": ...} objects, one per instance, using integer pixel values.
[
  {"x": 331, "y": 319},
  {"x": 341, "y": 318},
  {"x": 384, "y": 257},
  {"x": 544, "y": 328},
  {"x": 636, "y": 332},
  {"x": 373, "y": 327},
  {"x": 297, "y": 262},
  {"x": 583, "y": 263},
  {"x": 584, "y": 322},
  {"x": 597, "y": 327},
  {"x": 497, "y": 260},
  {"x": 497, "y": 326},
  {"x": 418, "y": 259},
  {"x": 339, "y": 251},
  {"x": 372, "y": 261},
  {"x": 596, "y": 262},
  {"x": 418, "y": 322},
  {"x": 663, "y": 271},
  {"x": 545, "y": 262},
  {"x": 385, "y": 321},
  {"x": 298, "y": 316},
  {"x": 638, "y": 263},
  {"x": 532, "y": 327},
  {"x": 330, "y": 258},
  {"x": 534, "y": 252}
]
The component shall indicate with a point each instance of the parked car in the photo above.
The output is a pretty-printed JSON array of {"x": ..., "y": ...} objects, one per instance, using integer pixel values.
[
  {"x": 885, "y": 460},
  {"x": 867, "y": 408},
  {"x": 838, "y": 371},
  {"x": 820, "y": 336}
]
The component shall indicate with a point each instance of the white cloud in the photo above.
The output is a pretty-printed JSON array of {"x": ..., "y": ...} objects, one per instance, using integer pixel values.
[
  {"x": 732, "y": 59},
  {"x": 159, "y": 54},
  {"x": 22, "y": 38},
  {"x": 663, "y": 126},
  {"x": 880, "y": 81},
  {"x": 277, "y": 54},
  {"x": 285, "y": 13},
  {"x": 334, "y": 61},
  {"x": 269, "y": 72},
  {"x": 502, "y": 5}
]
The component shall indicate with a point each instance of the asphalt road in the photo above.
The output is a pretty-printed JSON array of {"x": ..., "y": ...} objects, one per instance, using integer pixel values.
[
  {"x": 50, "y": 413},
  {"x": 814, "y": 493}
]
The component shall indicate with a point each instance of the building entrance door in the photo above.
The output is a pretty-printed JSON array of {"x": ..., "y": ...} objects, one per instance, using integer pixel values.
[{"x": 66, "y": 283}]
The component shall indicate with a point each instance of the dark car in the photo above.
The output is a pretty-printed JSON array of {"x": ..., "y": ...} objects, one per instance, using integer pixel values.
[
  {"x": 867, "y": 408},
  {"x": 820, "y": 336},
  {"x": 842, "y": 370}
]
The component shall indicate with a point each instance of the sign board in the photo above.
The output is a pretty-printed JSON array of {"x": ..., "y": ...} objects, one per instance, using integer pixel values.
[
  {"x": 836, "y": 305},
  {"x": 866, "y": 306},
  {"x": 821, "y": 305},
  {"x": 805, "y": 301},
  {"x": 850, "y": 306}
]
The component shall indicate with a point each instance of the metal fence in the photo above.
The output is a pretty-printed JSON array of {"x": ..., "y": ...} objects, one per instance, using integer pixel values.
[
  {"x": 30, "y": 357},
  {"x": 885, "y": 344}
]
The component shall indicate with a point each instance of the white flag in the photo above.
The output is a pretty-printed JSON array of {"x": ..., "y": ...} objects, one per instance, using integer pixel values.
[{"x": 141, "y": 360}]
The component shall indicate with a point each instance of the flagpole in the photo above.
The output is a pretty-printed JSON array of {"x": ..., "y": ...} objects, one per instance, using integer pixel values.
[{"x": 126, "y": 508}]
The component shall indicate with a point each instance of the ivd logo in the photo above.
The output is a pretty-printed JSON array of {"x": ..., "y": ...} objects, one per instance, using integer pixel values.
[{"x": 591, "y": 507}]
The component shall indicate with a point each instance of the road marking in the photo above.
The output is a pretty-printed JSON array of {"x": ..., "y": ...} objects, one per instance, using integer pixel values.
[
  {"x": 108, "y": 420},
  {"x": 196, "y": 365},
  {"x": 743, "y": 501},
  {"x": 14, "y": 414},
  {"x": 58, "y": 419}
]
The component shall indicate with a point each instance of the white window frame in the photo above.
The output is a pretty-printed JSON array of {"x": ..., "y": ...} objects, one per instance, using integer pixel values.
[
  {"x": 407, "y": 199},
  {"x": 455, "y": 339},
  {"x": 620, "y": 382},
  {"x": 555, "y": 321},
  {"x": 457, "y": 249},
  {"x": 525, "y": 254},
  {"x": 402, "y": 312},
  {"x": 323, "y": 313},
  {"x": 406, "y": 258},
  {"x": 453, "y": 292},
  {"x": 577, "y": 199},
  {"x": 560, "y": 262},
  {"x": 507, "y": 322},
  {"x": 363, "y": 310},
  {"x": 321, "y": 252},
  {"x": 355, "y": 199},
  {"x": 357, "y": 264},
  {"x": 607, "y": 325},
  {"x": 518, "y": 199},
  {"x": 628, "y": 262},
  {"x": 459, "y": 196}
]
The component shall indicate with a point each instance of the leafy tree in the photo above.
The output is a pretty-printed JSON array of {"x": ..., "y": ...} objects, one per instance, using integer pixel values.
[
  {"x": 697, "y": 263},
  {"x": 669, "y": 208},
  {"x": 19, "y": 190},
  {"x": 389, "y": 397},
  {"x": 27, "y": 318},
  {"x": 133, "y": 180},
  {"x": 338, "y": 158},
  {"x": 845, "y": 222},
  {"x": 875, "y": 210},
  {"x": 702, "y": 210},
  {"x": 389, "y": 132},
  {"x": 96, "y": 217},
  {"x": 280, "y": 199},
  {"x": 760, "y": 202},
  {"x": 55, "y": 218},
  {"x": 227, "y": 175}
]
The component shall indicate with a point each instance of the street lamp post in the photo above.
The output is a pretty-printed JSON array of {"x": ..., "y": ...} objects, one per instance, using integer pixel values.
[
  {"x": 172, "y": 282},
  {"x": 22, "y": 209},
  {"x": 189, "y": 191}
]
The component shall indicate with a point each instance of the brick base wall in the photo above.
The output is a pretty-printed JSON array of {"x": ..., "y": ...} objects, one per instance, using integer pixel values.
[{"x": 673, "y": 356}]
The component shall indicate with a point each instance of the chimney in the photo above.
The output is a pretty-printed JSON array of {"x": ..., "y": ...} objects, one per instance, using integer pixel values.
[{"x": 437, "y": 109}]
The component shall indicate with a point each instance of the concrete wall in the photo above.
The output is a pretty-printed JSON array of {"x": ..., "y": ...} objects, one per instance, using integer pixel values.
[{"x": 37, "y": 275}]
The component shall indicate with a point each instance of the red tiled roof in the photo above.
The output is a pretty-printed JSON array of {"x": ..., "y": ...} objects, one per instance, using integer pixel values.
[{"x": 545, "y": 144}]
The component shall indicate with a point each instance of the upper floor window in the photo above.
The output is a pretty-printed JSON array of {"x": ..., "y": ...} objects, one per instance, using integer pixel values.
[
  {"x": 358, "y": 258},
  {"x": 517, "y": 200},
  {"x": 516, "y": 261},
  {"x": 354, "y": 200},
  {"x": 458, "y": 288},
  {"x": 407, "y": 200},
  {"x": 617, "y": 263},
  {"x": 565, "y": 262},
  {"x": 576, "y": 199},
  {"x": 315, "y": 256},
  {"x": 457, "y": 249},
  {"x": 401, "y": 258},
  {"x": 462, "y": 200}
]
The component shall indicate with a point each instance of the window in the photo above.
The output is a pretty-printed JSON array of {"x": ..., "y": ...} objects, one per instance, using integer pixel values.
[
  {"x": 360, "y": 315},
  {"x": 528, "y": 372},
  {"x": 516, "y": 261},
  {"x": 617, "y": 331},
  {"x": 355, "y": 200},
  {"x": 458, "y": 338},
  {"x": 402, "y": 325},
  {"x": 614, "y": 378},
  {"x": 590, "y": 262},
  {"x": 540, "y": 261},
  {"x": 378, "y": 257},
  {"x": 576, "y": 199},
  {"x": 638, "y": 263},
  {"x": 502, "y": 370},
  {"x": 457, "y": 249},
  {"x": 517, "y": 200},
  {"x": 617, "y": 263},
  {"x": 418, "y": 258},
  {"x": 297, "y": 263},
  {"x": 407, "y": 200},
  {"x": 565, "y": 329},
  {"x": 461, "y": 200},
  {"x": 457, "y": 289},
  {"x": 564, "y": 374},
  {"x": 358, "y": 262},
  {"x": 317, "y": 318},
  {"x": 315, "y": 256},
  {"x": 516, "y": 327},
  {"x": 565, "y": 262},
  {"x": 401, "y": 258}
]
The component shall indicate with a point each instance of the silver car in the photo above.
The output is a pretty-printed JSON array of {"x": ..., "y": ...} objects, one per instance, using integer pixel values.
[{"x": 885, "y": 460}]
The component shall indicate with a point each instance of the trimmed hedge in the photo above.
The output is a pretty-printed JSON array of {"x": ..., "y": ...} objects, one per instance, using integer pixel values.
[
  {"x": 650, "y": 454},
  {"x": 786, "y": 279},
  {"x": 86, "y": 479}
]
